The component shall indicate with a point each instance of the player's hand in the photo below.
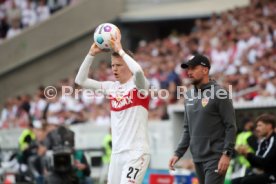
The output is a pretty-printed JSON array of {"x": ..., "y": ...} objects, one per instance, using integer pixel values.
[
  {"x": 223, "y": 164},
  {"x": 172, "y": 162},
  {"x": 115, "y": 42},
  {"x": 94, "y": 50}
]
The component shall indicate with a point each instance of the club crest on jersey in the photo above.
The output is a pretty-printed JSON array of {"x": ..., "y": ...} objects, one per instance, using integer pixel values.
[
  {"x": 119, "y": 94},
  {"x": 204, "y": 101},
  {"x": 119, "y": 98}
]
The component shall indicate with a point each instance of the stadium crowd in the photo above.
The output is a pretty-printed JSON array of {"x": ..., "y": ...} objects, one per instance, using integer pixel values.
[
  {"x": 241, "y": 44},
  {"x": 16, "y": 15}
]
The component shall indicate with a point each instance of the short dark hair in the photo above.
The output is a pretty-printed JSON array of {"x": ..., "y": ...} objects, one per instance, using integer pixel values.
[
  {"x": 267, "y": 119},
  {"x": 116, "y": 54}
]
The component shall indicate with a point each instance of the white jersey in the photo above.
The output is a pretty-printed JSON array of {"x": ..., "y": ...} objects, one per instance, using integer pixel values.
[
  {"x": 129, "y": 108},
  {"x": 129, "y": 117},
  {"x": 129, "y": 121}
]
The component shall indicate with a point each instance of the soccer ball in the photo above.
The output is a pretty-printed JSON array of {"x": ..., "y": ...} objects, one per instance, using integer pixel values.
[{"x": 102, "y": 35}]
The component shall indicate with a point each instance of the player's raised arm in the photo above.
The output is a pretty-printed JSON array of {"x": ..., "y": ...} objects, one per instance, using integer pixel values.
[
  {"x": 82, "y": 76},
  {"x": 139, "y": 78}
]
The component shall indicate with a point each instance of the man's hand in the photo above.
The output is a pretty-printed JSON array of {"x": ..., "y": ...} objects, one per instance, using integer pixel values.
[
  {"x": 94, "y": 50},
  {"x": 115, "y": 42},
  {"x": 223, "y": 164},
  {"x": 79, "y": 165},
  {"x": 41, "y": 150},
  {"x": 243, "y": 150},
  {"x": 172, "y": 162}
]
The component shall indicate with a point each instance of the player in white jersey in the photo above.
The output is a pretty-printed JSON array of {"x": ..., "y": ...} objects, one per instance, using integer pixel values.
[{"x": 129, "y": 113}]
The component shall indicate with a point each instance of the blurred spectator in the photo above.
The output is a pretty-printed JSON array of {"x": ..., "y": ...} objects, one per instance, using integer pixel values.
[
  {"x": 74, "y": 109},
  {"x": 17, "y": 14},
  {"x": 14, "y": 29},
  {"x": 27, "y": 147},
  {"x": 265, "y": 157},
  {"x": 30, "y": 152},
  {"x": 23, "y": 111},
  {"x": 81, "y": 167},
  {"x": 55, "y": 111},
  {"x": 13, "y": 12},
  {"x": 4, "y": 27},
  {"x": 8, "y": 114},
  {"x": 38, "y": 105},
  {"x": 240, "y": 166},
  {"x": 102, "y": 118},
  {"x": 36, "y": 162},
  {"x": 43, "y": 11},
  {"x": 56, "y": 5},
  {"x": 29, "y": 16}
]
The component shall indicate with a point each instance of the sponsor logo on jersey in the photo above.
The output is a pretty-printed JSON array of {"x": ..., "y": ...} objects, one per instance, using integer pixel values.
[{"x": 119, "y": 102}]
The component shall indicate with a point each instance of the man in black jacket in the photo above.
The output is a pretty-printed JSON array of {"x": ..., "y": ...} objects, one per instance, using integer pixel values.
[
  {"x": 209, "y": 124},
  {"x": 265, "y": 157}
]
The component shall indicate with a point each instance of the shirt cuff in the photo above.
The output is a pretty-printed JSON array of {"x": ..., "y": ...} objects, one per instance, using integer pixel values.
[{"x": 122, "y": 53}]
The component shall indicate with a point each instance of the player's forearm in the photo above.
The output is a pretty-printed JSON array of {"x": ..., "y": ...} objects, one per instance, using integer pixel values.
[
  {"x": 82, "y": 76},
  {"x": 139, "y": 77},
  {"x": 131, "y": 63}
]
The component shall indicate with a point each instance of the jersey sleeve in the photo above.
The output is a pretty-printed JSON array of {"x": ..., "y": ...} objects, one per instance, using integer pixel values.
[
  {"x": 83, "y": 80},
  {"x": 139, "y": 78}
]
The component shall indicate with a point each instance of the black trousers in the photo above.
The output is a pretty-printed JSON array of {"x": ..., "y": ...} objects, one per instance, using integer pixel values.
[
  {"x": 206, "y": 172},
  {"x": 255, "y": 179}
]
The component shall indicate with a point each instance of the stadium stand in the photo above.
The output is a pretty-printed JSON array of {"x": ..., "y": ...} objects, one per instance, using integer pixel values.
[
  {"x": 241, "y": 43},
  {"x": 43, "y": 51},
  {"x": 241, "y": 49},
  {"x": 16, "y": 15}
]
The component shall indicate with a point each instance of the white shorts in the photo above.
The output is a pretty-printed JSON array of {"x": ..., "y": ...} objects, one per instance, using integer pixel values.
[{"x": 128, "y": 167}]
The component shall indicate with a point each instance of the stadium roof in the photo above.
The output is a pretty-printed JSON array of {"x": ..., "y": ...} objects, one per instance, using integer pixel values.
[{"x": 180, "y": 10}]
